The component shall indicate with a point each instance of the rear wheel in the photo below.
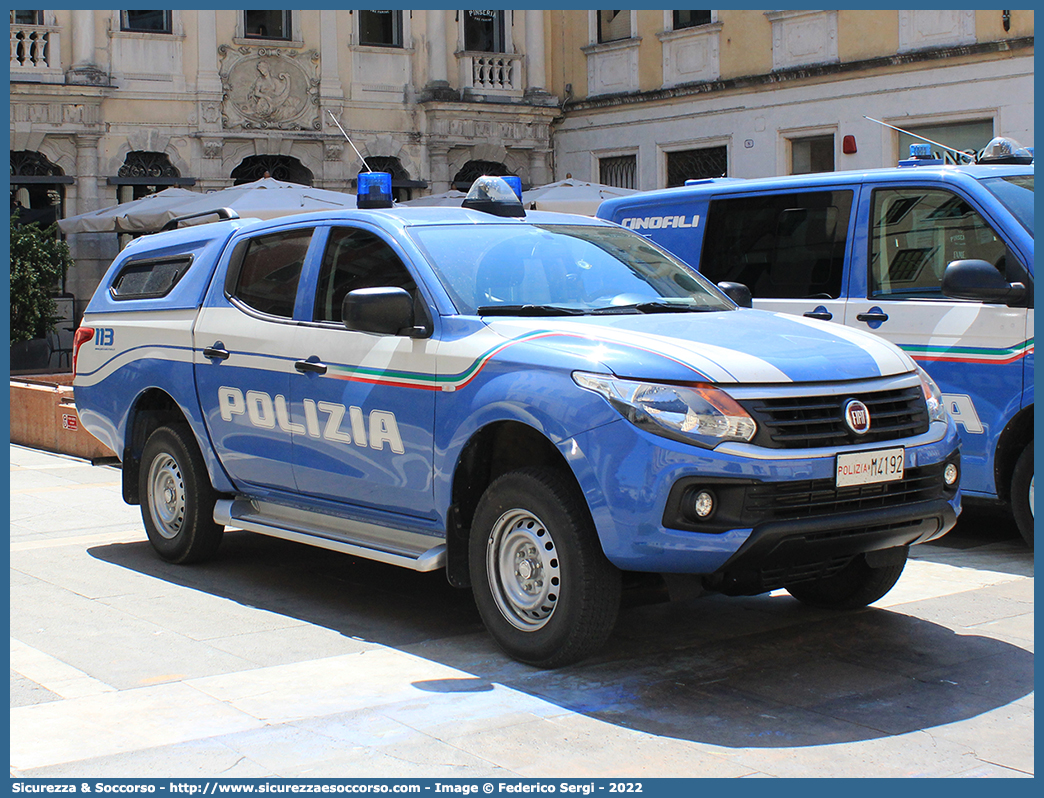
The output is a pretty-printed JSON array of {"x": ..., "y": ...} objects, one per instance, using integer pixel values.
[
  {"x": 855, "y": 586},
  {"x": 544, "y": 588},
  {"x": 177, "y": 499},
  {"x": 1022, "y": 494}
]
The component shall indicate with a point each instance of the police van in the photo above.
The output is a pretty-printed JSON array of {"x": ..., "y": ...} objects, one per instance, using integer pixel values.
[
  {"x": 539, "y": 404},
  {"x": 937, "y": 259}
]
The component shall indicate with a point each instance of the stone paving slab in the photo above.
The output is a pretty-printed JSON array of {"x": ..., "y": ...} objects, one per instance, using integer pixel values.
[{"x": 275, "y": 659}]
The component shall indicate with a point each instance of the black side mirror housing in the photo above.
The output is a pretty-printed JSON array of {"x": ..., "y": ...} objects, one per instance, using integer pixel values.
[
  {"x": 384, "y": 311},
  {"x": 979, "y": 279},
  {"x": 737, "y": 292}
]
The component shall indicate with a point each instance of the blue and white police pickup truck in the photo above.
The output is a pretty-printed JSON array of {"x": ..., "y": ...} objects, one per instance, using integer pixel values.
[
  {"x": 540, "y": 404},
  {"x": 937, "y": 259}
]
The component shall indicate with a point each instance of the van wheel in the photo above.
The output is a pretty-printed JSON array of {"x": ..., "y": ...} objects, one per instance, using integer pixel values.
[
  {"x": 855, "y": 586},
  {"x": 544, "y": 588},
  {"x": 1022, "y": 494},
  {"x": 177, "y": 499}
]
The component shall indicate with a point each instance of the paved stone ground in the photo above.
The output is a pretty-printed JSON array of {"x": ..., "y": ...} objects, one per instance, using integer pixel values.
[{"x": 277, "y": 659}]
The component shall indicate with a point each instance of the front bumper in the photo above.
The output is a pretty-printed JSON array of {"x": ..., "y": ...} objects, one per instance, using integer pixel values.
[{"x": 631, "y": 480}]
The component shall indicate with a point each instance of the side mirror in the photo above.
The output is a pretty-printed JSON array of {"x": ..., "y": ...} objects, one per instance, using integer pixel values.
[
  {"x": 979, "y": 279},
  {"x": 737, "y": 292},
  {"x": 384, "y": 311}
]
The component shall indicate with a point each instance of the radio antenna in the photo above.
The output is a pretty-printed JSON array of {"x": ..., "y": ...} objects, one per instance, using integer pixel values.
[
  {"x": 334, "y": 118},
  {"x": 961, "y": 153}
]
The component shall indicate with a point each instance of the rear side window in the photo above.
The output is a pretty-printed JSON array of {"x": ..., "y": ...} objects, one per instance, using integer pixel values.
[
  {"x": 149, "y": 279},
  {"x": 782, "y": 246},
  {"x": 270, "y": 271}
]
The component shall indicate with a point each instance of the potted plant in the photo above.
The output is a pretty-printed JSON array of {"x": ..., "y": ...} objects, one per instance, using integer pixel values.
[{"x": 39, "y": 261}]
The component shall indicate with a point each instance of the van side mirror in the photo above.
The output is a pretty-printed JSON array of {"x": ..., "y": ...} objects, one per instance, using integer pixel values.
[
  {"x": 979, "y": 279},
  {"x": 384, "y": 311},
  {"x": 737, "y": 292}
]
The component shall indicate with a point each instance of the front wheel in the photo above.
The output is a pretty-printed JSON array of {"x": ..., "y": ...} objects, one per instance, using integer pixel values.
[
  {"x": 544, "y": 588},
  {"x": 177, "y": 499},
  {"x": 1022, "y": 494},
  {"x": 855, "y": 586}
]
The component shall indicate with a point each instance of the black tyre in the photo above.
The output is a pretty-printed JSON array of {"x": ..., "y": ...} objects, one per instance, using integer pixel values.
[
  {"x": 544, "y": 588},
  {"x": 1022, "y": 494},
  {"x": 857, "y": 585},
  {"x": 177, "y": 499}
]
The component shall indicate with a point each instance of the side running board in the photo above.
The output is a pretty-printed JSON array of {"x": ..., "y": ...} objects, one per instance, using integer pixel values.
[{"x": 370, "y": 541}]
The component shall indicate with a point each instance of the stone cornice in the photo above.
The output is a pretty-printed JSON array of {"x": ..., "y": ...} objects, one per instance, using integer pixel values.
[{"x": 800, "y": 73}]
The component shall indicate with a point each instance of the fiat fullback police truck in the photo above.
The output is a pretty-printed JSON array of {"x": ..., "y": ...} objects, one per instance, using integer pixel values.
[
  {"x": 937, "y": 259},
  {"x": 540, "y": 404}
]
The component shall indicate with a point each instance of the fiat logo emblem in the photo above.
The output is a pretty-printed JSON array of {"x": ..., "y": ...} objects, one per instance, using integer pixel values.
[{"x": 857, "y": 416}]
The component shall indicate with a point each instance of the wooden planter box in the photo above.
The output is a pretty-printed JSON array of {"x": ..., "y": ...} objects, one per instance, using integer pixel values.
[{"x": 43, "y": 416}]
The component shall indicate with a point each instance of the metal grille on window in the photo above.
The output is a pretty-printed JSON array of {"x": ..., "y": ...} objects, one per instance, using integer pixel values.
[
  {"x": 473, "y": 170},
  {"x": 144, "y": 164},
  {"x": 696, "y": 164},
  {"x": 36, "y": 199},
  {"x": 278, "y": 167},
  {"x": 621, "y": 171}
]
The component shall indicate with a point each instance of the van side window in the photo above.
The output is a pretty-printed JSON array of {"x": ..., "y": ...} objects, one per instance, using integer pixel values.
[
  {"x": 915, "y": 232},
  {"x": 271, "y": 268},
  {"x": 356, "y": 259},
  {"x": 781, "y": 246}
]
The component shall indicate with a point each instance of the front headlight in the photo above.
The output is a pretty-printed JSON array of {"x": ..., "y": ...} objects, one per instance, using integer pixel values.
[
  {"x": 693, "y": 413},
  {"x": 932, "y": 396}
]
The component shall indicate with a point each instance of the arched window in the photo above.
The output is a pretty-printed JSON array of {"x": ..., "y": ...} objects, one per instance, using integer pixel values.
[
  {"x": 473, "y": 170},
  {"x": 145, "y": 173},
  {"x": 37, "y": 188},
  {"x": 278, "y": 167}
]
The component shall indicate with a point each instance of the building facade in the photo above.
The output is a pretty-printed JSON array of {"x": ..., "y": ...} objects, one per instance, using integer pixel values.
[
  {"x": 109, "y": 105},
  {"x": 656, "y": 97}
]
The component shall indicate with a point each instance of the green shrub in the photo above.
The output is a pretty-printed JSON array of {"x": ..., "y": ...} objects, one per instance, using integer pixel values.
[{"x": 39, "y": 260}]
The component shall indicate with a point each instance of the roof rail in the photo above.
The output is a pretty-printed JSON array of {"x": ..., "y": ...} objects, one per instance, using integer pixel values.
[{"x": 224, "y": 213}]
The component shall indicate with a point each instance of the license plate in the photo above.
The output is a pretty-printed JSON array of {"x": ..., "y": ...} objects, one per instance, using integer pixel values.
[{"x": 869, "y": 468}]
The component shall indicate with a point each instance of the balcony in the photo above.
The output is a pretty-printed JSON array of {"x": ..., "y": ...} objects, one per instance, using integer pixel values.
[
  {"x": 36, "y": 53},
  {"x": 491, "y": 73}
]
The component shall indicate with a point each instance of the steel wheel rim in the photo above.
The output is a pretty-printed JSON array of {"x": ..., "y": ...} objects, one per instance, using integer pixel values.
[
  {"x": 167, "y": 496},
  {"x": 1031, "y": 497},
  {"x": 524, "y": 570}
]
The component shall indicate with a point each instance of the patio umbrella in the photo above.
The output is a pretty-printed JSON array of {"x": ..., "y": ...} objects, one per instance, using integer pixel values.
[
  {"x": 108, "y": 220},
  {"x": 451, "y": 198},
  {"x": 263, "y": 199},
  {"x": 571, "y": 196}
]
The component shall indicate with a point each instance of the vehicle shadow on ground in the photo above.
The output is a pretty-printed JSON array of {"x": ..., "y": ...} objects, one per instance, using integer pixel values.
[{"x": 762, "y": 671}]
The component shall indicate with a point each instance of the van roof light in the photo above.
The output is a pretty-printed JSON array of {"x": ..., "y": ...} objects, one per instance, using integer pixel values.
[{"x": 1004, "y": 150}]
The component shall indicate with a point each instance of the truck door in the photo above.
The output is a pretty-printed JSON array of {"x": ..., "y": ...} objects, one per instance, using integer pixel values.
[
  {"x": 973, "y": 350},
  {"x": 789, "y": 248},
  {"x": 243, "y": 361},
  {"x": 364, "y": 418}
]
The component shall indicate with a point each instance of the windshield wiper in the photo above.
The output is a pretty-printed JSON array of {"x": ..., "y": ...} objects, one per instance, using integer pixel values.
[
  {"x": 528, "y": 310},
  {"x": 653, "y": 307}
]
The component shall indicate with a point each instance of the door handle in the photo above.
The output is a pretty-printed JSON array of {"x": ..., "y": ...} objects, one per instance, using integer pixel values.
[
  {"x": 305, "y": 366},
  {"x": 878, "y": 316},
  {"x": 216, "y": 353},
  {"x": 822, "y": 315}
]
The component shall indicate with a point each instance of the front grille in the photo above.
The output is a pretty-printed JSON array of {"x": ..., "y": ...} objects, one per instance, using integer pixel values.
[
  {"x": 780, "y": 501},
  {"x": 805, "y": 422}
]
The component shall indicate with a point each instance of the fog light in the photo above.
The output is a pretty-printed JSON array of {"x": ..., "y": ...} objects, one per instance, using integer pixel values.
[
  {"x": 703, "y": 504},
  {"x": 950, "y": 474}
]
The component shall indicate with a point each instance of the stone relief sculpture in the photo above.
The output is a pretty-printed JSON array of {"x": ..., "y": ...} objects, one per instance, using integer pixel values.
[{"x": 268, "y": 88}]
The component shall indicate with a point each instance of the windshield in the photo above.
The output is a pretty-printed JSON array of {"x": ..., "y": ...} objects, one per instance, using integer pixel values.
[
  {"x": 560, "y": 270},
  {"x": 1016, "y": 194}
]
